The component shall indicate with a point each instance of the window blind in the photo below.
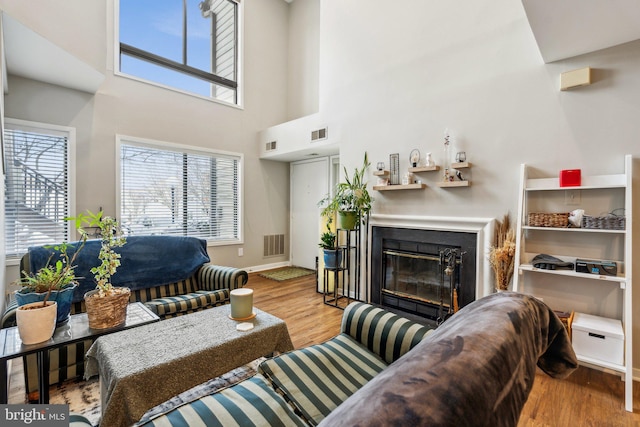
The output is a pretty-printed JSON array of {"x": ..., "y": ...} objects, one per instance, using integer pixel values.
[
  {"x": 37, "y": 189},
  {"x": 166, "y": 191}
]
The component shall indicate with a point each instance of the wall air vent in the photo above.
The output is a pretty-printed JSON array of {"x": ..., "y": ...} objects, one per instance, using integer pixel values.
[
  {"x": 273, "y": 245},
  {"x": 270, "y": 145},
  {"x": 319, "y": 134}
]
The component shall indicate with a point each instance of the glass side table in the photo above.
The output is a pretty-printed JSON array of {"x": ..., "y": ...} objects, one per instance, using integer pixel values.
[{"x": 75, "y": 330}]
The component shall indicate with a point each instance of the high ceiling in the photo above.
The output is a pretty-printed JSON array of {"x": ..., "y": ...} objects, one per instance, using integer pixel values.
[{"x": 567, "y": 28}]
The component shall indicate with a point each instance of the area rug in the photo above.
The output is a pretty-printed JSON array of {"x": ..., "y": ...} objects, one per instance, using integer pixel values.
[
  {"x": 286, "y": 273},
  {"x": 83, "y": 397}
]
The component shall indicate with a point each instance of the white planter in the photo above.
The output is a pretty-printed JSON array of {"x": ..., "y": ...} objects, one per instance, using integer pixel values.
[{"x": 36, "y": 325}]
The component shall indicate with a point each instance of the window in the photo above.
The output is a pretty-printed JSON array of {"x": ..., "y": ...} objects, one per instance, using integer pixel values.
[
  {"x": 167, "y": 189},
  {"x": 190, "y": 45},
  {"x": 38, "y": 185}
]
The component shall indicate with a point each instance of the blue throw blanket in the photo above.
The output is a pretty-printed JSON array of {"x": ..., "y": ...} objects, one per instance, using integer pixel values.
[{"x": 147, "y": 261}]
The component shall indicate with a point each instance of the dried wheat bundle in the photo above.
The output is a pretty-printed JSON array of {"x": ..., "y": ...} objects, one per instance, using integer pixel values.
[{"x": 502, "y": 253}]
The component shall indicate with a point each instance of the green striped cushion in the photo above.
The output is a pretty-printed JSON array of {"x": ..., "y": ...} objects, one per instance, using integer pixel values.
[
  {"x": 187, "y": 302},
  {"x": 214, "y": 277},
  {"x": 77, "y": 420},
  {"x": 249, "y": 403},
  {"x": 387, "y": 335},
  {"x": 319, "y": 378}
]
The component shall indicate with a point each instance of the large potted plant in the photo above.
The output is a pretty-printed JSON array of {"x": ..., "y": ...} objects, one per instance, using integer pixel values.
[
  {"x": 351, "y": 201},
  {"x": 106, "y": 305}
]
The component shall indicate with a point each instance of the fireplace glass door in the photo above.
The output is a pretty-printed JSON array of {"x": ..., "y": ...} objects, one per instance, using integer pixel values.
[{"x": 418, "y": 277}]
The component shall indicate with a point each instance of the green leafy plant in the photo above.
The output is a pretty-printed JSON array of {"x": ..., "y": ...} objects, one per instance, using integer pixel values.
[
  {"x": 350, "y": 195},
  {"x": 328, "y": 238},
  {"x": 112, "y": 237},
  {"x": 53, "y": 276}
]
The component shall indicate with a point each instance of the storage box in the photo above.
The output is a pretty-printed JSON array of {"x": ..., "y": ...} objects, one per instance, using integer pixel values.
[
  {"x": 598, "y": 338},
  {"x": 570, "y": 178}
]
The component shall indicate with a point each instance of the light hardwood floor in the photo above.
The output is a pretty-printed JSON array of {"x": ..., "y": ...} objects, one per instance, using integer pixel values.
[{"x": 587, "y": 398}]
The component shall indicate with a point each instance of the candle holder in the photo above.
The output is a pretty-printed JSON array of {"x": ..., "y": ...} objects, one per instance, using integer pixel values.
[
  {"x": 461, "y": 156},
  {"x": 414, "y": 157},
  {"x": 242, "y": 304}
]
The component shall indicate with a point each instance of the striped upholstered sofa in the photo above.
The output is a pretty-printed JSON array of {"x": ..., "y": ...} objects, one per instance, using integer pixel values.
[
  {"x": 475, "y": 369},
  {"x": 171, "y": 275}
]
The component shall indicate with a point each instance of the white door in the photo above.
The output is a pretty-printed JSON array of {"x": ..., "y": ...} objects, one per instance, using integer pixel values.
[{"x": 309, "y": 184}]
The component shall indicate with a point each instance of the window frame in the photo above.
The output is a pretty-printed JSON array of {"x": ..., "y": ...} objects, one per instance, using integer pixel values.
[
  {"x": 188, "y": 149},
  {"x": 185, "y": 68},
  {"x": 70, "y": 133}
]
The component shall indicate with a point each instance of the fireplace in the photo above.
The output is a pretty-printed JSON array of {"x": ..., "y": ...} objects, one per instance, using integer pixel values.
[{"x": 429, "y": 273}]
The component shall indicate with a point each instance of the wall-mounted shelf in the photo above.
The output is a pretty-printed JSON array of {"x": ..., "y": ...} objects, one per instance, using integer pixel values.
[
  {"x": 424, "y": 169},
  {"x": 381, "y": 173},
  {"x": 460, "y": 165},
  {"x": 399, "y": 187},
  {"x": 454, "y": 184}
]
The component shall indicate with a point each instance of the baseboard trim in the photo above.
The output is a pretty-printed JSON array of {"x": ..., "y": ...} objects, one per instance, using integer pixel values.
[{"x": 263, "y": 267}]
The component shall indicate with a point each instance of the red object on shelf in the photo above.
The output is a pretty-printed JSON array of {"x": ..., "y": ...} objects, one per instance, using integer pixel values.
[{"x": 570, "y": 178}]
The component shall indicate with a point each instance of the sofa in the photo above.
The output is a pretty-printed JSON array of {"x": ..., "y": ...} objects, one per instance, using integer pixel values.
[
  {"x": 477, "y": 368},
  {"x": 171, "y": 275}
]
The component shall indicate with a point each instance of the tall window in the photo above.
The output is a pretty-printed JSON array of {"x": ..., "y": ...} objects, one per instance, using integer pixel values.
[
  {"x": 166, "y": 189},
  {"x": 190, "y": 45},
  {"x": 38, "y": 185}
]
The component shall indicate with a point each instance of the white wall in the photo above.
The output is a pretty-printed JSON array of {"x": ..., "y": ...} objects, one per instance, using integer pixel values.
[
  {"x": 395, "y": 77},
  {"x": 304, "y": 47},
  {"x": 124, "y": 106}
]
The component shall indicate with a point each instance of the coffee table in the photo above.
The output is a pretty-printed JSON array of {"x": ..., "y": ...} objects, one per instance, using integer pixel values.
[
  {"x": 143, "y": 367},
  {"x": 75, "y": 330}
]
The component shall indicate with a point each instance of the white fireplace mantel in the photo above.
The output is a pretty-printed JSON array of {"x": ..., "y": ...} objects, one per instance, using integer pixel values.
[{"x": 482, "y": 227}]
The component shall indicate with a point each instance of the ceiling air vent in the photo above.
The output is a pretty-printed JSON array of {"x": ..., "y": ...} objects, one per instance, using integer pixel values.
[
  {"x": 270, "y": 145},
  {"x": 319, "y": 134}
]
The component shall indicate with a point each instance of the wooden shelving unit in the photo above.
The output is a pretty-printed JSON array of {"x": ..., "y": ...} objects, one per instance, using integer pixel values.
[{"x": 566, "y": 289}]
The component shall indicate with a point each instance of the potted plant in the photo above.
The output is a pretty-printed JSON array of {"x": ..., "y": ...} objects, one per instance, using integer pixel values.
[
  {"x": 351, "y": 201},
  {"x": 44, "y": 299},
  {"x": 502, "y": 253},
  {"x": 332, "y": 255},
  {"x": 106, "y": 305},
  {"x": 53, "y": 282}
]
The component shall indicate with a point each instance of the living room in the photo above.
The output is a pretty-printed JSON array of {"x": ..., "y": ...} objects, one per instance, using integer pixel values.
[{"x": 383, "y": 80}]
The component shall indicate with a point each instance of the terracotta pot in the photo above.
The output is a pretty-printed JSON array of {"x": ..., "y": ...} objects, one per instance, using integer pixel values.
[{"x": 36, "y": 324}]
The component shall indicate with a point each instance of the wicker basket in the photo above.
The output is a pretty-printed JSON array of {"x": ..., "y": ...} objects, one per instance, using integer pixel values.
[
  {"x": 609, "y": 222},
  {"x": 109, "y": 311},
  {"x": 543, "y": 219}
]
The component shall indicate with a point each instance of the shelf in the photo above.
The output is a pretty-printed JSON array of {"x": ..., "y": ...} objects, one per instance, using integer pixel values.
[
  {"x": 424, "y": 169},
  {"x": 601, "y": 363},
  {"x": 399, "y": 187},
  {"x": 381, "y": 173},
  {"x": 572, "y": 273},
  {"x": 588, "y": 183},
  {"x": 464, "y": 183},
  {"x": 573, "y": 229},
  {"x": 460, "y": 165}
]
